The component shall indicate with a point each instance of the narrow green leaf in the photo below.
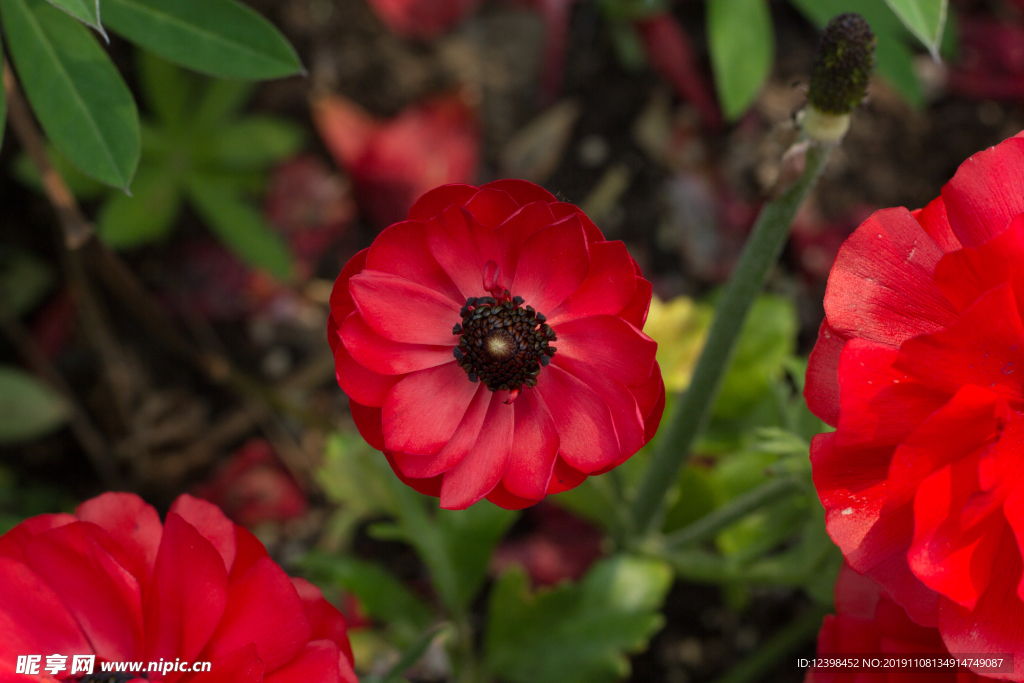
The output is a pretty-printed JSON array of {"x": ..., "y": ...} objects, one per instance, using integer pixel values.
[
  {"x": 220, "y": 100},
  {"x": 240, "y": 226},
  {"x": 742, "y": 45},
  {"x": 255, "y": 142},
  {"x": 926, "y": 19},
  {"x": 81, "y": 185},
  {"x": 78, "y": 96},
  {"x": 28, "y": 408},
  {"x": 86, "y": 11},
  {"x": 217, "y": 37},
  {"x": 575, "y": 633},
  {"x": 146, "y": 216},
  {"x": 166, "y": 89}
]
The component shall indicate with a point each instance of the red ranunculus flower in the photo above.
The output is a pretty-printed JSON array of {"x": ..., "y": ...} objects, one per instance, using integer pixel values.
[
  {"x": 111, "y": 581},
  {"x": 920, "y": 366},
  {"x": 444, "y": 334},
  {"x": 867, "y": 622}
]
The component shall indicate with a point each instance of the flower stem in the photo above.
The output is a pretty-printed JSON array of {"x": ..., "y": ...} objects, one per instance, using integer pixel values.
[{"x": 692, "y": 410}]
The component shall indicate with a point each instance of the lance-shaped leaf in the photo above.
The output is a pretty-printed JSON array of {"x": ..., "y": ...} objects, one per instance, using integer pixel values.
[
  {"x": 925, "y": 18},
  {"x": 148, "y": 215},
  {"x": 575, "y": 633},
  {"x": 28, "y": 409},
  {"x": 77, "y": 94},
  {"x": 86, "y": 11},
  {"x": 217, "y": 37},
  {"x": 742, "y": 46}
]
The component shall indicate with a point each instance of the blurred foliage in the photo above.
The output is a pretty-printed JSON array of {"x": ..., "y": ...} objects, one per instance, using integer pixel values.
[{"x": 20, "y": 500}]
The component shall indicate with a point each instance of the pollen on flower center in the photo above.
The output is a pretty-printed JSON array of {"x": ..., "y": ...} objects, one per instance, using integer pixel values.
[{"x": 502, "y": 343}]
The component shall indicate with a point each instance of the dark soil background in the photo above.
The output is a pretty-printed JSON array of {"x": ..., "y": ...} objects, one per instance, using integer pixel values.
[{"x": 894, "y": 155}]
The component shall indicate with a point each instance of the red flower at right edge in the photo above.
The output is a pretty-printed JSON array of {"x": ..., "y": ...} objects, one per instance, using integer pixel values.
[{"x": 920, "y": 367}]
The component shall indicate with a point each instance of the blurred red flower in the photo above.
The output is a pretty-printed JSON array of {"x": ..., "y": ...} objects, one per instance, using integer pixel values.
[
  {"x": 868, "y": 622},
  {"x": 112, "y": 581},
  {"x": 917, "y": 365},
  {"x": 422, "y": 18},
  {"x": 560, "y": 546},
  {"x": 451, "y": 316},
  {"x": 252, "y": 487},
  {"x": 394, "y": 162}
]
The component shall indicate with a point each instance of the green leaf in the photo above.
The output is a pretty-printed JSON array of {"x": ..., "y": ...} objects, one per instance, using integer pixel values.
[
  {"x": 221, "y": 99},
  {"x": 255, "y": 142},
  {"x": 147, "y": 216},
  {"x": 742, "y": 45},
  {"x": 895, "y": 59},
  {"x": 924, "y": 18},
  {"x": 28, "y": 408},
  {"x": 575, "y": 633},
  {"x": 24, "y": 280},
  {"x": 383, "y": 596},
  {"x": 86, "y": 11},
  {"x": 239, "y": 225},
  {"x": 168, "y": 90},
  {"x": 78, "y": 96},
  {"x": 81, "y": 185},
  {"x": 216, "y": 37}
]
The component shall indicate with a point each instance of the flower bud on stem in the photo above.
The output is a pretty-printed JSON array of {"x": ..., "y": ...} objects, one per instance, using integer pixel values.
[{"x": 841, "y": 72}]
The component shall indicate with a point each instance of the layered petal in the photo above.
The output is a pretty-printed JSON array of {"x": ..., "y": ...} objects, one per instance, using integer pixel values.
[
  {"x": 461, "y": 443},
  {"x": 534, "y": 449},
  {"x": 610, "y": 345},
  {"x": 552, "y": 264},
  {"x": 132, "y": 523},
  {"x": 404, "y": 311},
  {"x": 461, "y": 245},
  {"x": 586, "y": 432},
  {"x": 478, "y": 473},
  {"x": 986, "y": 192},
  {"x": 402, "y": 250},
  {"x": 360, "y": 383},
  {"x": 607, "y": 289},
  {"x": 381, "y": 355},
  {"x": 422, "y": 411}
]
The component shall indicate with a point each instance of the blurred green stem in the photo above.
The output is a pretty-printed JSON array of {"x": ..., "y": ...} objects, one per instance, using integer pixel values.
[
  {"x": 792, "y": 636},
  {"x": 693, "y": 409},
  {"x": 469, "y": 670}
]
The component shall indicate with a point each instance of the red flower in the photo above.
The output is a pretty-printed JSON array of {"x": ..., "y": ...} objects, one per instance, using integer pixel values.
[
  {"x": 253, "y": 487},
  {"x": 867, "y": 622},
  {"x": 394, "y": 162},
  {"x": 422, "y": 18},
  {"x": 432, "y": 379},
  {"x": 113, "y": 582},
  {"x": 918, "y": 365}
]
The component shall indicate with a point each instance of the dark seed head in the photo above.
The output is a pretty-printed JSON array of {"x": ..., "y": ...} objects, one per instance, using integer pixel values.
[{"x": 842, "y": 65}]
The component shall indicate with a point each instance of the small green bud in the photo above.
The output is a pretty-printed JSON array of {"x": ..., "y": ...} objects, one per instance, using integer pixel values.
[{"x": 842, "y": 65}]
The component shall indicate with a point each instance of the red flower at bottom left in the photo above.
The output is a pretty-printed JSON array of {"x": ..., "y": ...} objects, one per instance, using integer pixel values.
[{"x": 114, "y": 583}]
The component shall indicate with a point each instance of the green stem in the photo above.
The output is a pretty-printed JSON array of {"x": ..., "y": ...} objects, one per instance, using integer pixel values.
[
  {"x": 713, "y": 522},
  {"x": 469, "y": 667},
  {"x": 692, "y": 410},
  {"x": 795, "y": 634}
]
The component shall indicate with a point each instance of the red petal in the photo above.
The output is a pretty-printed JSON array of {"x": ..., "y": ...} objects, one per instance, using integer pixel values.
[
  {"x": 950, "y": 556},
  {"x": 402, "y": 250},
  {"x": 522, "y": 191},
  {"x": 513, "y": 233},
  {"x": 208, "y": 520},
  {"x": 346, "y": 129},
  {"x": 457, "y": 448},
  {"x": 403, "y": 311},
  {"x": 649, "y": 393},
  {"x": 626, "y": 415},
  {"x": 610, "y": 345},
  {"x": 102, "y": 595},
  {"x": 821, "y": 389},
  {"x": 855, "y": 595},
  {"x": 33, "y": 620},
  {"x": 317, "y": 661},
  {"x": 881, "y": 286},
  {"x": 188, "y": 593},
  {"x": 967, "y": 274},
  {"x": 324, "y": 618},
  {"x": 359, "y": 383},
  {"x": 262, "y": 607},
  {"x": 534, "y": 448},
  {"x": 552, "y": 264},
  {"x": 133, "y": 523},
  {"x": 653, "y": 419},
  {"x": 250, "y": 551},
  {"x": 607, "y": 289},
  {"x": 986, "y": 192},
  {"x": 423, "y": 410},
  {"x": 982, "y": 347},
  {"x": 491, "y": 206},
  {"x": 387, "y": 357},
  {"x": 440, "y": 198},
  {"x": 500, "y": 496},
  {"x": 341, "y": 299},
  {"x": 584, "y": 422},
  {"x": 935, "y": 222},
  {"x": 565, "y": 209},
  {"x": 635, "y": 312},
  {"x": 461, "y": 246},
  {"x": 368, "y": 421},
  {"x": 483, "y": 467},
  {"x": 428, "y": 487},
  {"x": 12, "y": 544},
  {"x": 241, "y": 666},
  {"x": 564, "y": 477}
]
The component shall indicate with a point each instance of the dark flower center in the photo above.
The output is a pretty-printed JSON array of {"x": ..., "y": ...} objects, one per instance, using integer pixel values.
[{"x": 502, "y": 343}]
